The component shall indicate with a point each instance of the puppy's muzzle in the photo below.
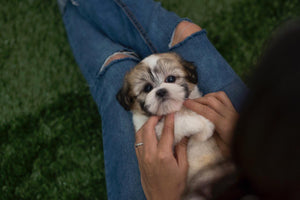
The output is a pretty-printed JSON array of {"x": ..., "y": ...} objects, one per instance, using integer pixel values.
[{"x": 161, "y": 93}]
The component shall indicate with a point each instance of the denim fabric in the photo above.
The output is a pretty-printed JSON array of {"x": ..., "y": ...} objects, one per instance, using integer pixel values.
[
  {"x": 143, "y": 25},
  {"x": 214, "y": 73},
  {"x": 97, "y": 29},
  {"x": 121, "y": 166},
  {"x": 91, "y": 48}
]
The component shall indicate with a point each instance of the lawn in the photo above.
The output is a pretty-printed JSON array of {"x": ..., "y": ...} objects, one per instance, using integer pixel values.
[{"x": 50, "y": 129}]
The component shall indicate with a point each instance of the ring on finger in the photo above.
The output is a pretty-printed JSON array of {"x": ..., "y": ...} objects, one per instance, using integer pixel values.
[{"x": 138, "y": 144}]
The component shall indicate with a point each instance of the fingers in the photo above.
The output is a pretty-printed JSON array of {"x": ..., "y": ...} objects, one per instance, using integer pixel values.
[
  {"x": 203, "y": 110},
  {"x": 222, "y": 97},
  {"x": 181, "y": 153},
  {"x": 147, "y": 135},
  {"x": 213, "y": 103},
  {"x": 218, "y": 108},
  {"x": 167, "y": 137}
]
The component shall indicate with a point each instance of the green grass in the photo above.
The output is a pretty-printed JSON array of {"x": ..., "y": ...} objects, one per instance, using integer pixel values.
[{"x": 50, "y": 130}]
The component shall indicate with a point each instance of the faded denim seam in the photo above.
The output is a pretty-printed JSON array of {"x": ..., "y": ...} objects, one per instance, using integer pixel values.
[{"x": 137, "y": 25}]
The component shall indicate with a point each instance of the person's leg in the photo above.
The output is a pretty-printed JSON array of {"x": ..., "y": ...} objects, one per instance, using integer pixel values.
[
  {"x": 148, "y": 28},
  {"x": 104, "y": 68},
  {"x": 214, "y": 72},
  {"x": 143, "y": 25}
]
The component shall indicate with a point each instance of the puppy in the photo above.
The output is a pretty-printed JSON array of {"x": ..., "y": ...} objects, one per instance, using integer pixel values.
[{"x": 159, "y": 85}]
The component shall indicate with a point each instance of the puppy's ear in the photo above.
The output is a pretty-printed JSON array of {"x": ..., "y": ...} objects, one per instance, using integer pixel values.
[
  {"x": 124, "y": 97},
  {"x": 191, "y": 71}
]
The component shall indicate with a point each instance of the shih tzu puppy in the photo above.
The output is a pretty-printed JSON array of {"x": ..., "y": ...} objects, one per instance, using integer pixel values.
[{"x": 159, "y": 85}]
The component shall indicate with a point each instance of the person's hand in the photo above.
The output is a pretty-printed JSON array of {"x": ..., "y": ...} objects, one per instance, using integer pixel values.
[
  {"x": 218, "y": 108},
  {"x": 163, "y": 172}
]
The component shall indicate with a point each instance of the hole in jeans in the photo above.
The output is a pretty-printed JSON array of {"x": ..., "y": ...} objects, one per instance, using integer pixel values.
[
  {"x": 183, "y": 30},
  {"x": 118, "y": 56}
]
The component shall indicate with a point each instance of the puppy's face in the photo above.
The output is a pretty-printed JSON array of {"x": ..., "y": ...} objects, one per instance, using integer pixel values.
[{"x": 158, "y": 85}]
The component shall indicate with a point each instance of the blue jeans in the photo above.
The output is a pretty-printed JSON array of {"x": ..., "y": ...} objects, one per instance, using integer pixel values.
[{"x": 97, "y": 29}]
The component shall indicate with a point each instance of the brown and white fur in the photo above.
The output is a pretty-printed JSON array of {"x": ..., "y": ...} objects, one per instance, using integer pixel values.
[{"x": 159, "y": 85}]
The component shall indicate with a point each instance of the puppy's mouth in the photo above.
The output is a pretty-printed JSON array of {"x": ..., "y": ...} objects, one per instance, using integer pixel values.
[
  {"x": 164, "y": 106},
  {"x": 167, "y": 107}
]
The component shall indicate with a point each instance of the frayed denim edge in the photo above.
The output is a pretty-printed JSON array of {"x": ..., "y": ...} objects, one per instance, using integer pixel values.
[
  {"x": 173, "y": 33},
  {"x": 202, "y": 32},
  {"x": 105, "y": 68},
  {"x": 128, "y": 53}
]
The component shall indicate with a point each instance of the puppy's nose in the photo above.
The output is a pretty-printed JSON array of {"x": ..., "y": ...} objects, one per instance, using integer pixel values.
[{"x": 161, "y": 92}]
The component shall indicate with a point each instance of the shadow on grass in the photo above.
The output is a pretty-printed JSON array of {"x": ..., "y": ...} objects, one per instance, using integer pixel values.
[{"x": 54, "y": 154}]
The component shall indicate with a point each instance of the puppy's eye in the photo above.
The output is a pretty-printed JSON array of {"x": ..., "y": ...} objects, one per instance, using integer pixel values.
[
  {"x": 170, "y": 79},
  {"x": 148, "y": 87}
]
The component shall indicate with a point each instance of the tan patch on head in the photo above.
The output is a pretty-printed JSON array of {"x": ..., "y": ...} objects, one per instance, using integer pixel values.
[
  {"x": 137, "y": 78},
  {"x": 174, "y": 62},
  {"x": 154, "y": 70}
]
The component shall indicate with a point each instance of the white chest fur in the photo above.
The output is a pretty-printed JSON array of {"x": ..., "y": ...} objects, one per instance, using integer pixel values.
[
  {"x": 186, "y": 123},
  {"x": 202, "y": 149}
]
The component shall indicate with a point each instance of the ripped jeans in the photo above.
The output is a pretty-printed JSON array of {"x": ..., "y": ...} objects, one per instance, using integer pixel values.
[{"x": 96, "y": 30}]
